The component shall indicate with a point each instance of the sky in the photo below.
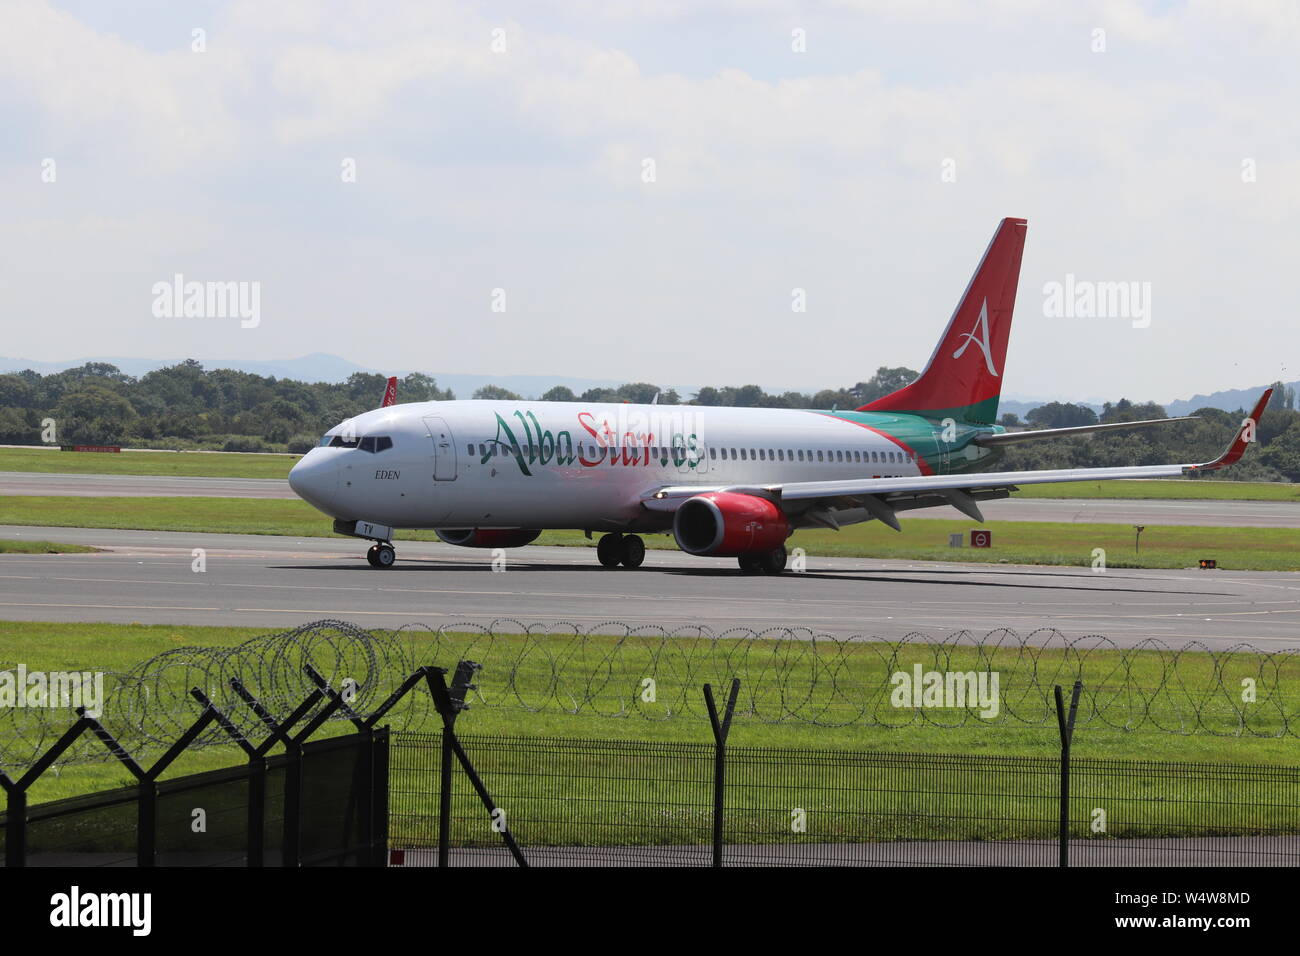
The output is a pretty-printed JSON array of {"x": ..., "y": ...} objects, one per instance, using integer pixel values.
[{"x": 784, "y": 193}]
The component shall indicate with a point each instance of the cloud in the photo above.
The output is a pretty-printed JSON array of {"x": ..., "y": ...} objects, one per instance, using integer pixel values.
[{"x": 774, "y": 169}]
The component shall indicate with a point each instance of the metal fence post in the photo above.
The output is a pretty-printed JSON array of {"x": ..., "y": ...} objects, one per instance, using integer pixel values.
[
  {"x": 15, "y": 826},
  {"x": 720, "y": 731},
  {"x": 1066, "y": 726},
  {"x": 444, "y": 798},
  {"x": 378, "y": 822}
]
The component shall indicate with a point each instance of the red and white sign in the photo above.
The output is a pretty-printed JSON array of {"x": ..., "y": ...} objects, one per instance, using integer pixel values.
[
  {"x": 112, "y": 448},
  {"x": 980, "y": 538}
]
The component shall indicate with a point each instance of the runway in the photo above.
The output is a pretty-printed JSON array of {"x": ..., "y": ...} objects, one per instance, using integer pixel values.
[
  {"x": 140, "y": 486},
  {"x": 273, "y": 582},
  {"x": 1261, "y": 514}
]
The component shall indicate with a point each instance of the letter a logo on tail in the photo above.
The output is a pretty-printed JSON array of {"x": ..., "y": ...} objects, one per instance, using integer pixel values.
[{"x": 982, "y": 340}]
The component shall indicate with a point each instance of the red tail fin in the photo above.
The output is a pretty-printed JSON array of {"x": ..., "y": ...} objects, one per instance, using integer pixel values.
[
  {"x": 390, "y": 393},
  {"x": 963, "y": 378}
]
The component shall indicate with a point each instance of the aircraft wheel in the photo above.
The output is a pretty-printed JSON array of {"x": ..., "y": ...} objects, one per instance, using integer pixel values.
[
  {"x": 633, "y": 551},
  {"x": 370, "y": 555},
  {"x": 774, "y": 561},
  {"x": 610, "y": 550},
  {"x": 749, "y": 563},
  {"x": 385, "y": 556}
]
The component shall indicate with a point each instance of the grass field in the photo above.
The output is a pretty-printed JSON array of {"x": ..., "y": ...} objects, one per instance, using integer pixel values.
[
  {"x": 521, "y": 694},
  {"x": 201, "y": 464},
  {"x": 1167, "y": 488},
  {"x": 1015, "y": 542},
  {"x": 42, "y": 547}
]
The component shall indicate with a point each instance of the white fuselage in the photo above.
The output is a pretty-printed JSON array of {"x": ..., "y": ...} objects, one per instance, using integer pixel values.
[{"x": 538, "y": 465}]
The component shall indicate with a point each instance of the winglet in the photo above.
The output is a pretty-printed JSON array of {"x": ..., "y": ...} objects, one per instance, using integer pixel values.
[
  {"x": 1245, "y": 436},
  {"x": 390, "y": 393}
]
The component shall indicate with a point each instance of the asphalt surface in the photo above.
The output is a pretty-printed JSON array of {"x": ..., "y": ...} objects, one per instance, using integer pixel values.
[
  {"x": 1263, "y": 514},
  {"x": 1190, "y": 851},
  {"x": 274, "y": 582},
  {"x": 140, "y": 486}
]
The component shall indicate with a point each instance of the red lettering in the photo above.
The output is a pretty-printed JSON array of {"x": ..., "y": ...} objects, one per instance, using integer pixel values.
[{"x": 600, "y": 442}]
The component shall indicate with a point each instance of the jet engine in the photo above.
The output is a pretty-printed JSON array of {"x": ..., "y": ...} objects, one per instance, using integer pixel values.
[
  {"x": 487, "y": 537},
  {"x": 729, "y": 524}
]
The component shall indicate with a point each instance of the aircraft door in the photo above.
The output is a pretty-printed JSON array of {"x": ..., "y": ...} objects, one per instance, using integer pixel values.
[{"x": 444, "y": 449}]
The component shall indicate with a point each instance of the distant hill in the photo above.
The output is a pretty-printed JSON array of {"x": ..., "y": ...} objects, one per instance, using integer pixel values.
[
  {"x": 321, "y": 367},
  {"x": 1229, "y": 400},
  {"x": 317, "y": 367}
]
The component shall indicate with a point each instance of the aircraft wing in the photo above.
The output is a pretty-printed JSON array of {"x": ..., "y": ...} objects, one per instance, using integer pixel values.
[
  {"x": 1038, "y": 434},
  {"x": 833, "y": 503}
]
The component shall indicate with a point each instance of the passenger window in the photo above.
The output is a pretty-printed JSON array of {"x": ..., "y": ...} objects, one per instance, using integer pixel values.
[
  {"x": 742, "y": 455},
  {"x": 801, "y": 454},
  {"x": 839, "y": 455},
  {"x": 819, "y": 456},
  {"x": 762, "y": 455}
]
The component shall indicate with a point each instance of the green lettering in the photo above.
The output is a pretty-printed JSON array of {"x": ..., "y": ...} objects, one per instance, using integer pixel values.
[
  {"x": 532, "y": 451},
  {"x": 564, "y": 448},
  {"x": 512, "y": 443}
]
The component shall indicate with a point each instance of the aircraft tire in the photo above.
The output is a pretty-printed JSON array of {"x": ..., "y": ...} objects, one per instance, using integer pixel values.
[
  {"x": 774, "y": 561},
  {"x": 633, "y": 551},
  {"x": 610, "y": 550}
]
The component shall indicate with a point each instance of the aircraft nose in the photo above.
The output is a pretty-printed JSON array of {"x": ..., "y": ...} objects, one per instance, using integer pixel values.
[{"x": 315, "y": 479}]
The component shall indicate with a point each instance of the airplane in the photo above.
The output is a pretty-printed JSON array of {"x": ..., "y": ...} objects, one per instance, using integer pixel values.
[{"x": 727, "y": 482}]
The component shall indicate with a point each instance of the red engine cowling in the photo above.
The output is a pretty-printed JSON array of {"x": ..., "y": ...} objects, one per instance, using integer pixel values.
[
  {"x": 487, "y": 537},
  {"x": 728, "y": 524}
]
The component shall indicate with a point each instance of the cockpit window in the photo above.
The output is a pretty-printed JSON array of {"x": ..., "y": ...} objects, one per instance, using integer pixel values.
[{"x": 371, "y": 443}]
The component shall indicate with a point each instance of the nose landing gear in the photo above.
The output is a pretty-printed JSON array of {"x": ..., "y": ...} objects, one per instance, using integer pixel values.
[{"x": 625, "y": 549}]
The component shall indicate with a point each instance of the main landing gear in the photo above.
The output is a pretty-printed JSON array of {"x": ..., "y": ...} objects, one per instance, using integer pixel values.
[
  {"x": 763, "y": 562},
  {"x": 625, "y": 549},
  {"x": 381, "y": 555}
]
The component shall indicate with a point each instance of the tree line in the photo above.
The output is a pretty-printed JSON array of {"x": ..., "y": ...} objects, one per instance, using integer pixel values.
[{"x": 186, "y": 406}]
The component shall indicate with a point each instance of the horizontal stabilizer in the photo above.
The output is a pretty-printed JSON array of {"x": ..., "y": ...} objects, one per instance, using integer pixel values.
[{"x": 1038, "y": 434}]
